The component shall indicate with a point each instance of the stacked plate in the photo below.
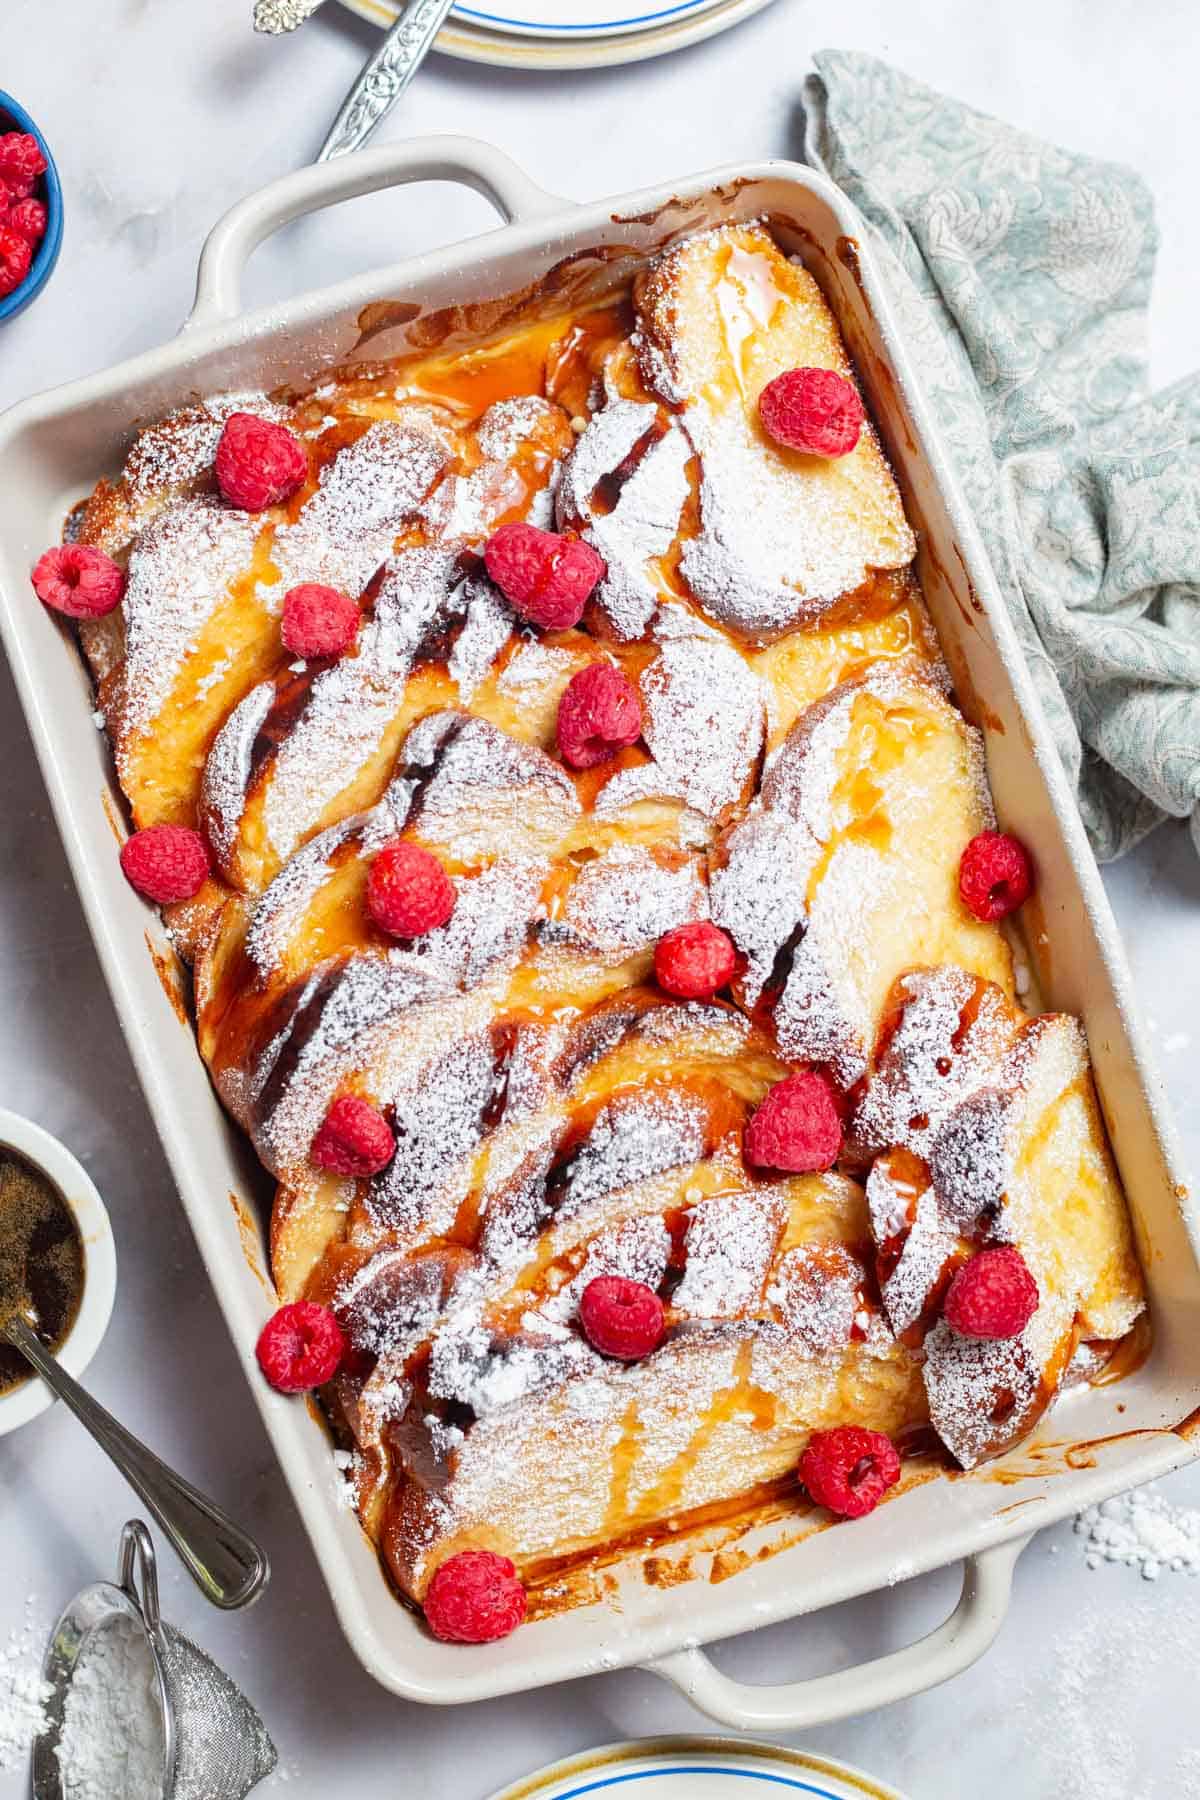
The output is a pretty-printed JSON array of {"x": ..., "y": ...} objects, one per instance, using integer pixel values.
[
  {"x": 571, "y": 34},
  {"x": 699, "y": 1768}
]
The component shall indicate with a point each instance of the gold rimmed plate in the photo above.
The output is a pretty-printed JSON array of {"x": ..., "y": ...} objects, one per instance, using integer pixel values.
[
  {"x": 698, "y": 1768},
  {"x": 508, "y": 34}
]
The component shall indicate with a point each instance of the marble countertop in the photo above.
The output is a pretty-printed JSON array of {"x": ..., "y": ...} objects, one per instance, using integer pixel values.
[{"x": 161, "y": 116}]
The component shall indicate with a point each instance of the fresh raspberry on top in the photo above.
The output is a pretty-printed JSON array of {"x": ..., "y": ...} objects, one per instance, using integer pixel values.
[
  {"x": 259, "y": 464},
  {"x": 318, "y": 621},
  {"x": 22, "y": 162},
  {"x": 354, "y": 1139},
  {"x": 815, "y": 410},
  {"x": 599, "y": 714},
  {"x": 408, "y": 891},
  {"x": 992, "y": 1296},
  {"x": 545, "y": 577},
  {"x": 28, "y": 219},
  {"x": 165, "y": 863},
  {"x": 995, "y": 875},
  {"x": 797, "y": 1128},
  {"x": 849, "y": 1470},
  {"x": 621, "y": 1318},
  {"x": 79, "y": 580},
  {"x": 16, "y": 258},
  {"x": 693, "y": 961},
  {"x": 300, "y": 1347},
  {"x": 474, "y": 1598}
]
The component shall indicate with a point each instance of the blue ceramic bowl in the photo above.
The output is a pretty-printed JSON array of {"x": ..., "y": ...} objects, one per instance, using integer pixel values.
[{"x": 14, "y": 118}]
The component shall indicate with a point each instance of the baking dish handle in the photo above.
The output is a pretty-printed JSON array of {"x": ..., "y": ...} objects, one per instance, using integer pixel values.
[
  {"x": 792, "y": 1706},
  {"x": 233, "y": 239}
]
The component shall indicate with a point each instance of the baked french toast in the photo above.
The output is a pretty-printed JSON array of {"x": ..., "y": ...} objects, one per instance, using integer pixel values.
[{"x": 602, "y": 942}]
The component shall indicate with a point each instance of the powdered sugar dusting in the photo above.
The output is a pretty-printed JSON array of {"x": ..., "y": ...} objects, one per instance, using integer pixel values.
[
  {"x": 983, "y": 1392},
  {"x": 168, "y": 457},
  {"x": 642, "y": 524},
  {"x": 730, "y": 1242},
  {"x": 351, "y": 704},
  {"x": 489, "y": 793},
  {"x": 703, "y": 721},
  {"x": 487, "y": 627},
  {"x": 631, "y": 1140},
  {"x": 228, "y": 765},
  {"x": 438, "y": 1122},
  {"x": 179, "y": 575},
  {"x": 626, "y": 898},
  {"x": 364, "y": 495},
  {"x": 533, "y": 670},
  {"x": 636, "y": 1248}
]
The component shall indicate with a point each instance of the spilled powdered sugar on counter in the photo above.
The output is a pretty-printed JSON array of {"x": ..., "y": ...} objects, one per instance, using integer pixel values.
[
  {"x": 23, "y": 1693},
  {"x": 1145, "y": 1532}
]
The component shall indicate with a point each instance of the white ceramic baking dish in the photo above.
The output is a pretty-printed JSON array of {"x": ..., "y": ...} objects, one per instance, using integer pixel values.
[{"x": 1097, "y": 1441}]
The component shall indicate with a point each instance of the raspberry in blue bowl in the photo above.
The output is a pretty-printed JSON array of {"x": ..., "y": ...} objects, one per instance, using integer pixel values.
[{"x": 30, "y": 209}]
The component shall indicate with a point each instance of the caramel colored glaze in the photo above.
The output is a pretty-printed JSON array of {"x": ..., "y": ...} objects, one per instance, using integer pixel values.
[
  {"x": 1130, "y": 1354},
  {"x": 170, "y": 977},
  {"x": 1189, "y": 1427},
  {"x": 251, "y": 1248},
  {"x": 112, "y": 813},
  {"x": 695, "y": 1531}
]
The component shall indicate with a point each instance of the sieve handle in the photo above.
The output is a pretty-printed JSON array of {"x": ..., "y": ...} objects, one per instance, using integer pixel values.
[{"x": 227, "y": 1566}]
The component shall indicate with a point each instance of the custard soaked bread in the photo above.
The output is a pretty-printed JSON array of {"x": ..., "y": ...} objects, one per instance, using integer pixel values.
[{"x": 594, "y": 899}]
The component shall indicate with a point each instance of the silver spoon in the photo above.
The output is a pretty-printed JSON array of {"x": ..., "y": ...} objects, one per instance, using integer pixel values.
[
  {"x": 227, "y": 1566},
  {"x": 384, "y": 76},
  {"x": 278, "y": 16}
]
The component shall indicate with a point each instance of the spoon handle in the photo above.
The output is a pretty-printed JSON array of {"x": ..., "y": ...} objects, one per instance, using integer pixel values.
[
  {"x": 383, "y": 78},
  {"x": 227, "y": 1566}
]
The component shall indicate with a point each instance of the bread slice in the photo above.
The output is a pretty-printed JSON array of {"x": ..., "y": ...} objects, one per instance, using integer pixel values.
[
  {"x": 782, "y": 539},
  {"x": 995, "y": 1138},
  {"x": 844, "y": 871}
]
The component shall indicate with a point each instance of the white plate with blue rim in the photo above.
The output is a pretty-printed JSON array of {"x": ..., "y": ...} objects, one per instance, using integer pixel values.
[
  {"x": 570, "y": 34},
  {"x": 698, "y": 1768}
]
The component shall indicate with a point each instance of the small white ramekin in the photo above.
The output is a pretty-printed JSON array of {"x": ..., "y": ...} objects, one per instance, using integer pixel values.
[{"x": 99, "y": 1262}]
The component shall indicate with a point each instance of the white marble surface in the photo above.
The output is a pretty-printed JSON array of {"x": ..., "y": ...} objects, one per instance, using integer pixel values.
[{"x": 162, "y": 115}]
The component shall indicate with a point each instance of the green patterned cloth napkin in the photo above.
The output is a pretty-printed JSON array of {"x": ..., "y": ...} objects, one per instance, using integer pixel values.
[{"x": 1021, "y": 275}]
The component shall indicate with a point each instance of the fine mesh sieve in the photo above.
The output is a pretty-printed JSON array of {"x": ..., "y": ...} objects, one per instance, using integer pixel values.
[{"x": 215, "y": 1746}]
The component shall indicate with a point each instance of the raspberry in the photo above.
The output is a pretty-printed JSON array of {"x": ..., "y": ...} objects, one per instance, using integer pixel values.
[
  {"x": 995, "y": 875},
  {"x": 797, "y": 1128},
  {"x": 79, "y": 580},
  {"x": 354, "y": 1139},
  {"x": 598, "y": 715},
  {"x": 258, "y": 464},
  {"x": 816, "y": 410},
  {"x": 992, "y": 1296},
  {"x": 300, "y": 1347},
  {"x": 408, "y": 891},
  {"x": 21, "y": 162},
  {"x": 849, "y": 1470},
  {"x": 165, "y": 863},
  {"x": 28, "y": 219},
  {"x": 474, "y": 1598},
  {"x": 318, "y": 621},
  {"x": 621, "y": 1318},
  {"x": 693, "y": 961},
  {"x": 547, "y": 578},
  {"x": 16, "y": 255}
]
